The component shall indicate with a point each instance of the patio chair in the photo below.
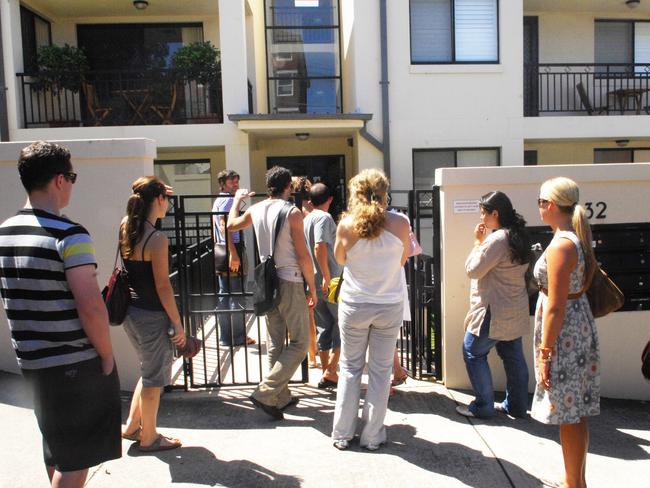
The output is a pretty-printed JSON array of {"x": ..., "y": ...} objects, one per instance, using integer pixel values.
[
  {"x": 584, "y": 98},
  {"x": 165, "y": 112},
  {"x": 95, "y": 109}
]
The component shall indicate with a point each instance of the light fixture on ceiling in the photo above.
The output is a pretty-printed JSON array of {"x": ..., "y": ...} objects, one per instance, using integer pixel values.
[
  {"x": 302, "y": 136},
  {"x": 632, "y": 3},
  {"x": 622, "y": 142},
  {"x": 140, "y": 4}
]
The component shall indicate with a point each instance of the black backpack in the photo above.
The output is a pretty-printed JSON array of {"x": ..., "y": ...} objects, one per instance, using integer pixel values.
[{"x": 266, "y": 293}]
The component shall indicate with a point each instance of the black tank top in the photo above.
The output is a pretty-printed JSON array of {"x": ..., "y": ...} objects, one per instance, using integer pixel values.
[{"x": 141, "y": 283}]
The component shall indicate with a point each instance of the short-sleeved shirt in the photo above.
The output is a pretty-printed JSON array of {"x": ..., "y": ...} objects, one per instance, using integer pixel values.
[
  {"x": 320, "y": 227},
  {"x": 36, "y": 249},
  {"x": 223, "y": 204}
]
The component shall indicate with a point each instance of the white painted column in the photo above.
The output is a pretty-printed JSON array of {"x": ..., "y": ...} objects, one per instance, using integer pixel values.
[
  {"x": 12, "y": 54},
  {"x": 238, "y": 159},
  {"x": 234, "y": 72}
]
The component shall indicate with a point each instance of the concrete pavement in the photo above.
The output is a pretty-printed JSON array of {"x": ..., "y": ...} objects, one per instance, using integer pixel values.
[{"x": 229, "y": 443}]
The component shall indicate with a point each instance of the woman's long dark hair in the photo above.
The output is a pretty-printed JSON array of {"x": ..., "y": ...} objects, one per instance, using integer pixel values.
[
  {"x": 514, "y": 223},
  {"x": 145, "y": 189}
]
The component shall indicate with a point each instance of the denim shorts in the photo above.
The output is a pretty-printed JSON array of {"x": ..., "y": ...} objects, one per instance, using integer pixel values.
[{"x": 147, "y": 331}]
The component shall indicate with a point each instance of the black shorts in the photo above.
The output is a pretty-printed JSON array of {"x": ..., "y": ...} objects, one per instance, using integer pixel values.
[{"x": 78, "y": 411}]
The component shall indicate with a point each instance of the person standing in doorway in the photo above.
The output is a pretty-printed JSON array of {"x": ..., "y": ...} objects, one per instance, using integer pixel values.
[
  {"x": 232, "y": 326},
  {"x": 294, "y": 268},
  {"x": 58, "y": 321},
  {"x": 320, "y": 232}
]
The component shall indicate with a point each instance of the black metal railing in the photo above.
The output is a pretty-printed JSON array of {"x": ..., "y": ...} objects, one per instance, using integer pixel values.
[
  {"x": 118, "y": 98},
  {"x": 586, "y": 89}
]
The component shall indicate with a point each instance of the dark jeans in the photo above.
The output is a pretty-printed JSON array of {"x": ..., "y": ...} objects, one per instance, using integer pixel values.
[
  {"x": 232, "y": 326},
  {"x": 475, "y": 352}
]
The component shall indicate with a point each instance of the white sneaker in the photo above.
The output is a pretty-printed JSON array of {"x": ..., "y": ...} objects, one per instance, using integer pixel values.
[{"x": 465, "y": 411}]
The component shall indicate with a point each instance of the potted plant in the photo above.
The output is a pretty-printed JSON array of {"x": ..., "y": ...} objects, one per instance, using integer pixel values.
[
  {"x": 198, "y": 65},
  {"x": 61, "y": 68}
]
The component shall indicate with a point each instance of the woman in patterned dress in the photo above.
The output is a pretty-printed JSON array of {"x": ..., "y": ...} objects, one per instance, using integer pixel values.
[{"x": 567, "y": 364}]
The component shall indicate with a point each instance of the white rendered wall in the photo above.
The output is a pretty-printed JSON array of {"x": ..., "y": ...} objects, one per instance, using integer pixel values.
[
  {"x": 106, "y": 170},
  {"x": 626, "y": 190},
  {"x": 453, "y": 106}
]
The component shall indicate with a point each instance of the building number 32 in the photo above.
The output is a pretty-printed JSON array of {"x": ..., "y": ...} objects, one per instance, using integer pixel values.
[{"x": 596, "y": 210}]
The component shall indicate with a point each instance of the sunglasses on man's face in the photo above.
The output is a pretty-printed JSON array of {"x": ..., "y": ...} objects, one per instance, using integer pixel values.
[{"x": 70, "y": 176}]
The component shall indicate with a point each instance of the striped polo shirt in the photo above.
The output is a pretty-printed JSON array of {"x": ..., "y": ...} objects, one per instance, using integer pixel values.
[{"x": 36, "y": 248}]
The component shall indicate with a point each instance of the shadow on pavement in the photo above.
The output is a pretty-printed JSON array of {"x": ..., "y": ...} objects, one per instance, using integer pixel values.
[{"x": 199, "y": 466}]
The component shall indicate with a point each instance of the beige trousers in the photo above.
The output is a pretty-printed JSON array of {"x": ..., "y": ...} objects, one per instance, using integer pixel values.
[{"x": 289, "y": 316}]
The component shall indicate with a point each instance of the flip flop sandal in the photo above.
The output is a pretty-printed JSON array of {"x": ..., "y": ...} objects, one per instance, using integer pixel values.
[
  {"x": 399, "y": 381},
  {"x": 250, "y": 341},
  {"x": 157, "y": 445},
  {"x": 133, "y": 436}
]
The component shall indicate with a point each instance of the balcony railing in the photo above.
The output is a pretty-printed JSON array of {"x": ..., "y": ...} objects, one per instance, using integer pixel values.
[
  {"x": 119, "y": 98},
  {"x": 586, "y": 89}
]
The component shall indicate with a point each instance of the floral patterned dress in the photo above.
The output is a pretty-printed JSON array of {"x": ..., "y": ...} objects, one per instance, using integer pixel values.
[{"x": 575, "y": 368}]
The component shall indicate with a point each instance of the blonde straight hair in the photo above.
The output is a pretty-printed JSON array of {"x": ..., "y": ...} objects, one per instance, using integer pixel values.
[{"x": 564, "y": 193}]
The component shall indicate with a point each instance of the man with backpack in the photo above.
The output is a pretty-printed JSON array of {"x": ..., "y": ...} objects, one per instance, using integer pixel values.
[{"x": 294, "y": 268}]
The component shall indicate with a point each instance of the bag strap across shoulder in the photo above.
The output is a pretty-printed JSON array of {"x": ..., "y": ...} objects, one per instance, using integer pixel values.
[{"x": 284, "y": 211}]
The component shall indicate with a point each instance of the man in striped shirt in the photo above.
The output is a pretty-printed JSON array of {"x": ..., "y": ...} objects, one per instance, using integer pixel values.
[{"x": 58, "y": 321}]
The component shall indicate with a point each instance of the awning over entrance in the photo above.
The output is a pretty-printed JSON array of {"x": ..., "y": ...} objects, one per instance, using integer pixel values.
[{"x": 279, "y": 125}]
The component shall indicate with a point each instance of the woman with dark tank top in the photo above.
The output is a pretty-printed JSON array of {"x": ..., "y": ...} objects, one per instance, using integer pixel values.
[{"x": 152, "y": 311}]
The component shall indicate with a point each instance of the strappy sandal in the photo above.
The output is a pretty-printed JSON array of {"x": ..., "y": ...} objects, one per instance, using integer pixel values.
[
  {"x": 157, "y": 445},
  {"x": 133, "y": 436}
]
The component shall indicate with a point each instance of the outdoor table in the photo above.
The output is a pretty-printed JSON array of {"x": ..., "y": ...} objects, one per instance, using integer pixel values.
[{"x": 139, "y": 100}]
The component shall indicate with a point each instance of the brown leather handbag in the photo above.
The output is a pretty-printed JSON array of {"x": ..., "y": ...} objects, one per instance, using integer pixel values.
[{"x": 603, "y": 294}]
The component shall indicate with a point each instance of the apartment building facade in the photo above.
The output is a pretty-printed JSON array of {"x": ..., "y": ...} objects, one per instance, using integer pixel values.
[{"x": 329, "y": 87}]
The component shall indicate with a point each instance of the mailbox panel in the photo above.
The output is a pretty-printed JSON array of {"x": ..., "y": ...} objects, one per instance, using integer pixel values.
[{"x": 623, "y": 251}]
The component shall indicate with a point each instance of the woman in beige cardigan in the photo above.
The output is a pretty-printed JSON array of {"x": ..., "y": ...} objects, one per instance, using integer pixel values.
[{"x": 498, "y": 314}]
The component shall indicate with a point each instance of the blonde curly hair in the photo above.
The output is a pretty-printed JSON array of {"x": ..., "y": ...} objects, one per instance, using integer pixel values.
[{"x": 368, "y": 202}]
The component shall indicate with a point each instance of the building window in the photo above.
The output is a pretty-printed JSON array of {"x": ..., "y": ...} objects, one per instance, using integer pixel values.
[
  {"x": 36, "y": 32},
  {"x": 284, "y": 85},
  {"x": 622, "y": 42},
  {"x": 303, "y": 53},
  {"x": 454, "y": 31},
  {"x": 622, "y": 155},
  {"x": 530, "y": 157},
  {"x": 426, "y": 161}
]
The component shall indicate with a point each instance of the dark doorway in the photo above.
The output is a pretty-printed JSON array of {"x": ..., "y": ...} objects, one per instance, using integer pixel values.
[
  {"x": 325, "y": 169},
  {"x": 531, "y": 66}
]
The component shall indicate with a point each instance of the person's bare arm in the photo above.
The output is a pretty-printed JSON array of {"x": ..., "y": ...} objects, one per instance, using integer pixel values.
[
  {"x": 159, "y": 255},
  {"x": 320, "y": 252},
  {"x": 561, "y": 260},
  {"x": 400, "y": 228},
  {"x": 295, "y": 219},
  {"x": 92, "y": 311},
  {"x": 343, "y": 241},
  {"x": 236, "y": 221}
]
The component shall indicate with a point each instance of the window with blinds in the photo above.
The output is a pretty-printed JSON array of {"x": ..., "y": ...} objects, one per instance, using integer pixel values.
[
  {"x": 426, "y": 161},
  {"x": 622, "y": 42},
  {"x": 454, "y": 31}
]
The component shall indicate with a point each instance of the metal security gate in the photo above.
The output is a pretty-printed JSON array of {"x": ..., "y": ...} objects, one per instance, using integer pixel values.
[
  {"x": 203, "y": 306},
  {"x": 420, "y": 340}
]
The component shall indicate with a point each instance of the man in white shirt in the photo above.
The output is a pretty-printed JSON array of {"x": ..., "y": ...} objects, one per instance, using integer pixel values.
[{"x": 293, "y": 265}]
